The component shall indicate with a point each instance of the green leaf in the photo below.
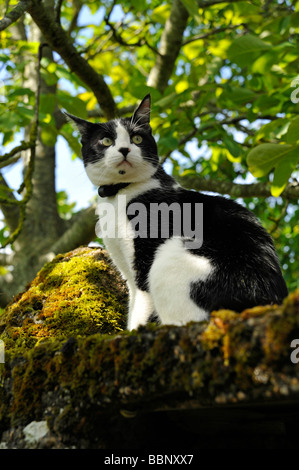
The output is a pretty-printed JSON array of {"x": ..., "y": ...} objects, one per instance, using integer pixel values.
[
  {"x": 47, "y": 103},
  {"x": 7, "y": 137},
  {"x": 5, "y": 191},
  {"x": 282, "y": 157},
  {"x": 263, "y": 158},
  {"x": 237, "y": 95},
  {"x": 65, "y": 208},
  {"x": 166, "y": 101},
  {"x": 264, "y": 62},
  {"x": 282, "y": 173},
  {"x": 9, "y": 120},
  {"x": 273, "y": 130},
  {"x": 166, "y": 143},
  {"x": 49, "y": 135},
  {"x": 4, "y": 233},
  {"x": 266, "y": 103},
  {"x": 293, "y": 131},
  {"x": 161, "y": 13},
  {"x": 49, "y": 78},
  {"x": 72, "y": 104},
  {"x": 245, "y": 48},
  {"x": 232, "y": 146},
  {"x": 20, "y": 92},
  {"x": 192, "y": 9},
  {"x": 72, "y": 141},
  {"x": 27, "y": 114}
]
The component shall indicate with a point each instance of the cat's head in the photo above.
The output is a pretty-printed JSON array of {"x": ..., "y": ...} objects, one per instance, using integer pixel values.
[{"x": 119, "y": 151}]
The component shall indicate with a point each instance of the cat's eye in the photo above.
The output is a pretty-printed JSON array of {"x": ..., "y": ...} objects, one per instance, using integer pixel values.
[
  {"x": 106, "y": 141},
  {"x": 137, "y": 139}
]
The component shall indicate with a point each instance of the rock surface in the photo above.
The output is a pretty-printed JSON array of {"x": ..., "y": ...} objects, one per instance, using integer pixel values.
[{"x": 76, "y": 375}]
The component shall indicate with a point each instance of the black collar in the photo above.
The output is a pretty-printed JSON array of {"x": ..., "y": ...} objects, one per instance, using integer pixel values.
[{"x": 109, "y": 190}]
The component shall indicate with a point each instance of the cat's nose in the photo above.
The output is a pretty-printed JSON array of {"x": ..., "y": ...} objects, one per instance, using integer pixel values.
[{"x": 124, "y": 151}]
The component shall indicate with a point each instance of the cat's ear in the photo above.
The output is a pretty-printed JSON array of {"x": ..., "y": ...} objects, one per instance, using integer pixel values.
[
  {"x": 142, "y": 113},
  {"x": 84, "y": 127}
]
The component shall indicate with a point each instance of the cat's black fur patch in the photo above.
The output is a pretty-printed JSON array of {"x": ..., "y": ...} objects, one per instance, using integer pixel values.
[{"x": 247, "y": 269}]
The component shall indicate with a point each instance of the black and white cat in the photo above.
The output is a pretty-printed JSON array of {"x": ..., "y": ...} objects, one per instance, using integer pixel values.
[{"x": 233, "y": 266}]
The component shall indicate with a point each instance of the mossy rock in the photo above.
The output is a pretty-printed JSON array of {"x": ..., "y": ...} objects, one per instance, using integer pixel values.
[
  {"x": 86, "y": 377},
  {"x": 76, "y": 295}
]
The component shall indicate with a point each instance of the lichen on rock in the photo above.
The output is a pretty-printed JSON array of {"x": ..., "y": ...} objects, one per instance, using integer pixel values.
[{"x": 75, "y": 295}]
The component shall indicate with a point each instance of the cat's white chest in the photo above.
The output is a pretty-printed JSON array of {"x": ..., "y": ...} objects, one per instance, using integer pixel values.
[
  {"x": 116, "y": 230},
  {"x": 117, "y": 234}
]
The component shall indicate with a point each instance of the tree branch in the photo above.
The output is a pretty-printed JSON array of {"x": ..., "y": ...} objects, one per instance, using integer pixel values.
[
  {"x": 58, "y": 39},
  {"x": 212, "y": 32},
  {"x": 11, "y": 213},
  {"x": 277, "y": 220},
  {"x": 236, "y": 190},
  {"x": 212, "y": 125},
  {"x": 126, "y": 110},
  {"x": 93, "y": 113},
  {"x": 7, "y": 158},
  {"x": 14, "y": 14},
  {"x": 209, "y": 3},
  {"x": 58, "y": 11},
  {"x": 81, "y": 232},
  {"x": 118, "y": 37},
  {"x": 77, "y": 5},
  {"x": 170, "y": 45}
]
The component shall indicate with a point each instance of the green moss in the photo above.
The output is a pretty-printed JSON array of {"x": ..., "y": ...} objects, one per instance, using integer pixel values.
[
  {"x": 262, "y": 333},
  {"x": 75, "y": 295},
  {"x": 282, "y": 329}
]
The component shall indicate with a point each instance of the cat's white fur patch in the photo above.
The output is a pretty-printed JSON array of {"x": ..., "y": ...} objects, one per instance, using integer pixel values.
[
  {"x": 121, "y": 249},
  {"x": 140, "y": 308},
  {"x": 122, "y": 137},
  {"x": 170, "y": 277}
]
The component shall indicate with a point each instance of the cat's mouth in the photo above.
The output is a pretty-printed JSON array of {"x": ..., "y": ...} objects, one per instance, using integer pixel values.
[{"x": 124, "y": 164}]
